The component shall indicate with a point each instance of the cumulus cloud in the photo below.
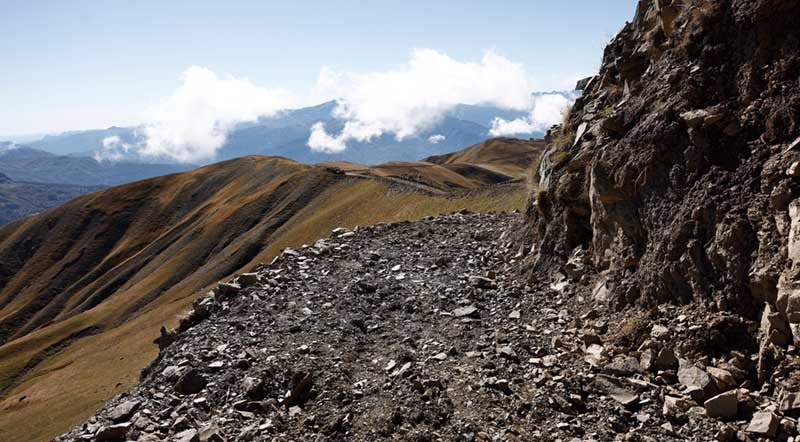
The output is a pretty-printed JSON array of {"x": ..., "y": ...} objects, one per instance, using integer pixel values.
[
  {"x": 436, "y": 139},
  {"x": 192, "y": 123},
  {"x": 415, "y": 97},
  {"x": 320, "y": 141},
  {"x": 546, "y": 110},
  {"x": 114, "y": 149}
]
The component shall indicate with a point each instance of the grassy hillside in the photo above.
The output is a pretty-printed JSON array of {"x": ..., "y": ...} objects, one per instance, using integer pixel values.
[
  {"x": 85, "y": 287},
  {"x": 503, "y": 156}
]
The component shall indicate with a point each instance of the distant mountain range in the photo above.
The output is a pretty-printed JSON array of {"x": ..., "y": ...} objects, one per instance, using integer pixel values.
[
  {"x": 69, "y": 157},
  {"x": 287, "y": 134},
  {"x": 26, "y": 164},
  {"x": 19, "y": 200}
]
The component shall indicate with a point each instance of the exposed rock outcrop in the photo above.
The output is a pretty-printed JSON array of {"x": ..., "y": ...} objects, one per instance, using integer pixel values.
[{"x": 675, "y": 171}]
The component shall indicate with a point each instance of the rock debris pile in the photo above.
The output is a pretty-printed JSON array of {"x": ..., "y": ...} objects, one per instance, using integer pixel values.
[{"x": 424, "y": 332}]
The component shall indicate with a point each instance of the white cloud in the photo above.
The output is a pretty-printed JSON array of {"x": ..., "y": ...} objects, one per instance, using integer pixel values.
[
  {"x": 6, "y": 147},
  {"x": 415, "y": 97},
  {"x": 320, "y": 141},
  {"x": 436, "y": 139},
  {"x": 192, "y": 123},
  {"x": 114, "y": 149},
  {"x": 547, "y": 110}
]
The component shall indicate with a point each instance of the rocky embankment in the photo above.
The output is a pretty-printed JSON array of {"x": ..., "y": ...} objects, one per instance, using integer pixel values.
[
  {"x": 675, "y": 181},
  {"x": 424, "y": 331}
]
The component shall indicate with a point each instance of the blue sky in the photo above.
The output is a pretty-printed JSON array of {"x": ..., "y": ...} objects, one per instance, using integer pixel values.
[{"x": 86, "y": 64}]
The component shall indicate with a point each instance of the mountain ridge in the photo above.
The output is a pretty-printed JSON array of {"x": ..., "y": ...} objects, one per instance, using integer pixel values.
[{"x": 26, "y": 164}]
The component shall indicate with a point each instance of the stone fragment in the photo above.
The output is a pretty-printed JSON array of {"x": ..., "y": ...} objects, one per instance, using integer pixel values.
[
  {"x": 186, "y": 436},
  {"x": 694, "y": 118},
  {"x": 580, "y": 133},
  {"x": 246, "y": 280},
  {"x": 113, "y": 433},
  {"x": 795, "y": 144},
  {"x": 601, "y": 292},
  {"x": 626, "y": 398},
  {"x": 583, "y": 83},
  {"x": 248, "y": 434},
  {"x": 253, "y": 388},
  {"x": 665, "y": 360},
  {"x": 124, "y": 411},
  {"x": 170, "y": 372},
  {"x": 723, "y": 406},
  {"x": 216, "y": 365},
  {"x": 181, "y": 423},
  {"x": 211, "y": 433},
  {"x": 726, "y": 433},
  {"x": 507, "y": 352},
  {"x": 466, "y": 312},
  {"x": 790, "y": 402},
  {"x": 301, "y": 389},
  {"x": 617, "y": 390},
  {"x": 481, "y": 282},
  {"x": 713, "y": 119},
  {"x": 498, "y": 384},
  {"x": 402, "y": 371},
  {"x": 794, "y": 169},
  {"x": 793, "y": 307},
  {"x": 646, "y": 360},
  {"x": 659, "y": 332},
  {"x": 774, "y": 325},
  {"x": 191, "y": 382},
  {"x": 595, "y": 354},
  {"x": 723, "y": 379},
  {"x": 623, "y": 366},
  {"x": 674, "y": 406},
  {"x": 226, "y": 290},
  {"x": 763, "y": 423},
  {"x": 693, "y": 377}
]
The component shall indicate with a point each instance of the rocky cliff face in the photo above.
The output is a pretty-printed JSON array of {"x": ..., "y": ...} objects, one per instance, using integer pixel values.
[{"x": 675, "y": 176}]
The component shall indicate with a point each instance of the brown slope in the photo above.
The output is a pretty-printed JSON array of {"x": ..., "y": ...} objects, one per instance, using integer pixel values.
[
  {"x": 494, "y": 161},
  {"x": 86, "y": 286},
  {"x": 110, "y": 241},
  {"x": 494, "y": 158}
]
